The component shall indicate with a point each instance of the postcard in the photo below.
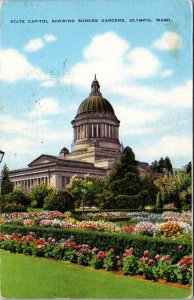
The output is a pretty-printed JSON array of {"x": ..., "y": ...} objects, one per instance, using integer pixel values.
[{"x": 96, "y": 148}]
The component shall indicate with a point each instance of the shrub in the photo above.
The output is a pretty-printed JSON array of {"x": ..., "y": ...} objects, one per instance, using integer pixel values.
[
  {"x": 38, "y": 195},
  {"x": 170, "y": 229},
  {"x": 110, "y": 261},
  {"x": 130, "y": 265},
  {"x": 119, "y": 242},
  {"x": 59, "y": 200},
  {"x": 146, "y": 228},
  {"x": 15, "y": 201}
]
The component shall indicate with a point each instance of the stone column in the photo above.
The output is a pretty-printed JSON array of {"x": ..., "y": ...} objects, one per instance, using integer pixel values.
[
  {"x": 92, "y": 130},
  {"x": 97, "y": 130},
  {"x": 105, "y": 130}
]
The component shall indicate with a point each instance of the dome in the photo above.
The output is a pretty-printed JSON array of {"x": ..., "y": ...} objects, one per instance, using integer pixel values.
[
  {"x": 64, "y": 150},
  {"x": 95, "y": 103}
]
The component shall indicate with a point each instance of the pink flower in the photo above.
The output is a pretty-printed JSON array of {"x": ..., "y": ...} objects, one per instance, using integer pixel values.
[
  {"x": 119, "y": 263},
  {"x": 157, "y": 256}
]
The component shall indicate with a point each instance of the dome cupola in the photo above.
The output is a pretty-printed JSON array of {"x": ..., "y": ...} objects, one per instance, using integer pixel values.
[
  {"x": 95, "y": 128},
  {"x": 95, "y": 103}
]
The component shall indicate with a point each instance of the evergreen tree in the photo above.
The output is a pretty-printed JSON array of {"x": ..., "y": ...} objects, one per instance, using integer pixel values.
[
  {"x": 161, "y": 166},
  {"x": 159, "y": 201},
  {"x": 188, "y": 168},
  {"x": 6, "y": 184},
  {"x": 124, "y": 177},
  {"x": 168, "y": 166}
]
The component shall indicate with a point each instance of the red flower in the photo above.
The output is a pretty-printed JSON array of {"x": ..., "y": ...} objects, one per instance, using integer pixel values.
[
  {"x": 146, "y": 253},
  {"x": 151, "y": 261},
  {"x": 181, "y": 247},
  {"x": 157, "y": 256},
  {"x": 146, "y": 259},
  {"x": 112, "y": 250}
]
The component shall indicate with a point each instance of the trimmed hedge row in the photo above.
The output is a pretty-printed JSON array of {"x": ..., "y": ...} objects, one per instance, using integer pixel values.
[
  {"x": 107, "y": 240},
  {"x": 155, "y": 210}
]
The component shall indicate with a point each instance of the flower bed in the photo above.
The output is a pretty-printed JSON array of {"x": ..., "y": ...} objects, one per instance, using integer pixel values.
[
  {"x": 146, "y": 225},
  {"x": 150, "y": 265},
  {"x": 101, "y": 239}
]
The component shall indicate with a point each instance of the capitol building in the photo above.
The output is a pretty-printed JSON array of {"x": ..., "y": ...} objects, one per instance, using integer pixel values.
[{"x": 95, "y": 148}]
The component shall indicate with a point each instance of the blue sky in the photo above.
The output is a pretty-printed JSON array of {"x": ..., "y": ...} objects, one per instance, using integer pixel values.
[{"x": 144, "y": 69}]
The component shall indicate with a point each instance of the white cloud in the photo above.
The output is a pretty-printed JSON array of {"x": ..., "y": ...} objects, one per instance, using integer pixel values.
[
  {"x": 44, "y": 107},
  {"x": 179, "y": 96},
  {"x": 119, "y": 67},
  {"x": 135, "y": 116},
  {"x": 34, "y": 45},
  {"x": 169, "y": 41},
  {"x": 136, "y": 121},
  {"x": 166, "y": 73},
  {"x": 27, "y": 136},
  {"x": 114, "y": 63},
  {"x": 15, "y": 66},
  {"x": 172, "y": 146},
  {"x": 39, "y": 43},
  {"x": 49, "y": 38}
]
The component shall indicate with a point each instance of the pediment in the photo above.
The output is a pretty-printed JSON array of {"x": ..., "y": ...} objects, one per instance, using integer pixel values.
[{"x": 42, "y": 159}]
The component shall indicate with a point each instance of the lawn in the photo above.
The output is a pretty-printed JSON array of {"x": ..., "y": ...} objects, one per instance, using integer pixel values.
[{"x": 33, "y": 277}]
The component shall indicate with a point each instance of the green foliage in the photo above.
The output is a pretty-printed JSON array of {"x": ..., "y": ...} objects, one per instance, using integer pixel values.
[
  {"x": 124, "y": 178},
  {"x": 175, "y": 189},
  {"x": 96, "y": 263},
  {"x": 59, "y": 200},
  {"x": 122, "y": 201},
  {"x": 92, "y": 187},
  {"x": 15, "y": 201},
  {"x": 118, "y": 242},
  {"x": 149, "y": 190},
  {"x": 125, "y": 188},
  {"x": 6, "y": 184},
  {"x": 110, "y": 261},
  {"x": 38, "y": 194},
  {"x": 148, "y": 271},
  {"x": 130, "y": 265},
  {"x": 159, "y": 201},
  {"x": 163, "y": 166}
]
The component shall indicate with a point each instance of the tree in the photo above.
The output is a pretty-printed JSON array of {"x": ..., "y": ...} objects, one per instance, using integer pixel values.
[
  {"x": 91, "y": 185},
  {"x": 168, "y": 166},
  {"x": 15, "y": 201},
  {"x": 125, "y": 187},
  {"x": 188, "y": 168},
  {"x": 150, "y": 189},
  {"x": 176, "y": 188},
  {"x": 59, "y": 200},
  {"x": 38, "y": 194},
  {"x": 159, "y": 201},
  {"x": 6, "y": 184},
  {"x": 124, "y": 177},
  {"x": 163, "y": 166}
]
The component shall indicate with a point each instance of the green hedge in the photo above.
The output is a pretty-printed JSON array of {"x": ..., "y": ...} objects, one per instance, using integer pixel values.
[
  {"x": 105, "y": 240},
  {"x": 159, "y": 210}
]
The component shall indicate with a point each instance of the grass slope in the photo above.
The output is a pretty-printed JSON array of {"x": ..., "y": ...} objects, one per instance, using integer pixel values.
[{"x": 33, "y": 277}]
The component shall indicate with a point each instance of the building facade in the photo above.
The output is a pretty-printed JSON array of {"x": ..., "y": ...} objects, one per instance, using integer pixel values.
[{"x": 95, "y": 148}]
